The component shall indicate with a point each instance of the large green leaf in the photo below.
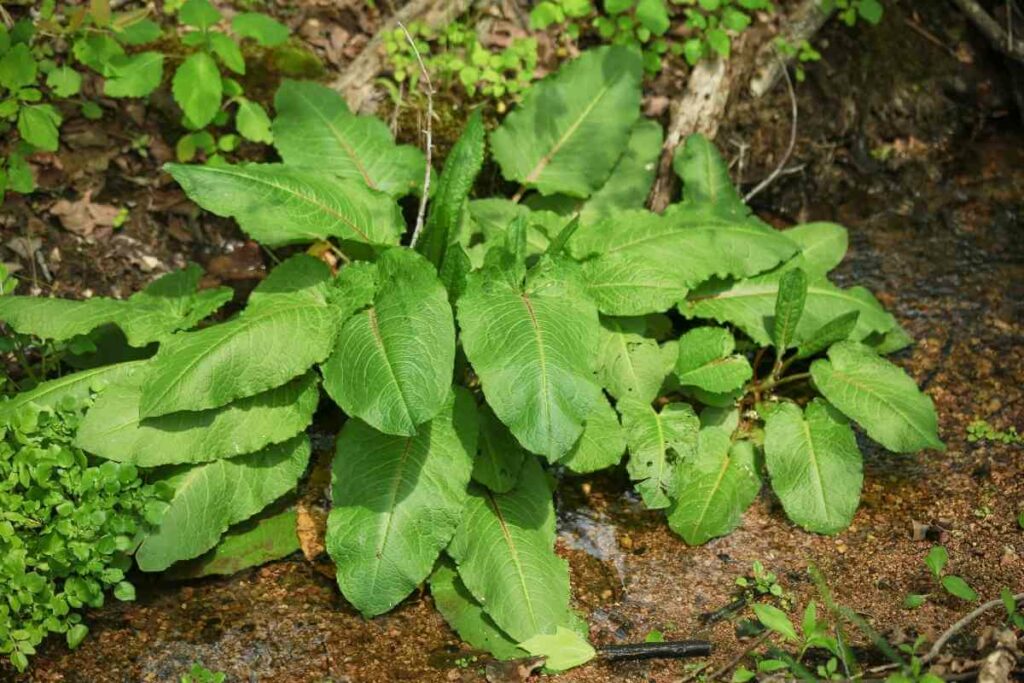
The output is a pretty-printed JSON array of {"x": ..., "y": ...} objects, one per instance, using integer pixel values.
[
  {"x": 714, "y": 487},
  {"x": 500, "y": 456},
  {"x": 73, "y": 388},
  {"x": 658, "y": 442},
  {"x": 706, "y": 361},
  {"x": 211, "y": 497},
  {"x": 879, "y": 396},
  {"x": 548, "y": 142},
  {"x": 392, "y": 362},
  {"x": 256, "y": 351},
  {"x": 449, "y": 201},
  {"x": 630, "y": 363},
  {"x": 815, "y": 465},
  {"x": 467, "y": 616},
  {"x": 169, "y": 303},
  {"x": 534, "y": 347},
  {"x": 750, "y": 306},
  {"x": 315, "y": 128},
  {"x": 277, "y": 204},
  {"x": 504, "y": 548},
  {"x": 397, "y": 502},
  {"x": 254, "y": 542},
  {"x": 637, "y": 262},
  {"x": 113, "y": 429},
  {"x": 602, "y": 443}
]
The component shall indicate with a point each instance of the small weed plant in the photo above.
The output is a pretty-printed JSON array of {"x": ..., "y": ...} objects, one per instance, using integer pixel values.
[
  {"x": 489, "y": 349},
  {"x": 129, "y": 50}
]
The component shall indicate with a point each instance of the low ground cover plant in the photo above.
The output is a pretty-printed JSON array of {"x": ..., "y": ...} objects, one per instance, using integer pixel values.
[{"x": 501, "y": 342}]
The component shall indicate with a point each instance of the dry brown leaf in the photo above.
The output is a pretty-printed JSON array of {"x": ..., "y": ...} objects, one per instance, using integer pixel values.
[{"x": 83, "y": 217}]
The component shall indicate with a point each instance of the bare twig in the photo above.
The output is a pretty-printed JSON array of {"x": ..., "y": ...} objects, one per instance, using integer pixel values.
[
  {"x": 731, "y": 664},
  {"x": 792, "y": 141},
  {"x": 398, "y": 108},
  {"x": 356, "y": 81},
  {"x": 962, "y": 624},
  {"x": 1001, "y": 41},
  {"x": 429, "y": 133}
]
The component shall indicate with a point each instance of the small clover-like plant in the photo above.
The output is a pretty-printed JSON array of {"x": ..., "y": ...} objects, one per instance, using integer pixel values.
[{"x": 504, "y": 339}]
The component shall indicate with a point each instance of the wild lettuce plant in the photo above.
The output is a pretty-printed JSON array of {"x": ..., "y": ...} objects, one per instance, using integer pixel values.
[{"x": 510, "y": 339}]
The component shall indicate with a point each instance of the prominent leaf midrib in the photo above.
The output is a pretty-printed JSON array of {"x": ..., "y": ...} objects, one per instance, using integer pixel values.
[
  {"x": 629, "y": 359},
  {"x": 375, "y": 330},
  {"x": 390, "y": 513},
  {"x": 244, "y": 324},
  {"x": 299, "y": 195},
  {"x": 673, "y": 232},
  {"x": 545, "y": 160},
  {"x": 348, "y": 149},
  {"x": 714, "y": 492},
  {"x": 514, "y": 553},
  {"x": 819, "y": 484},
  {"x": 542, "y": 361},
  {"x": 881, "y": 398}
]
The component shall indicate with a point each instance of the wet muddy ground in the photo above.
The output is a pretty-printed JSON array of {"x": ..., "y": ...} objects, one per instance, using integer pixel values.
[{"x": 936, "y": 234}]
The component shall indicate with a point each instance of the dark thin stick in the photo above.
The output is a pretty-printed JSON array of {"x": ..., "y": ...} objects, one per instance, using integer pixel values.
[
  {"x": 731, "y": 664},
  {"x": 673, "y": 649}
]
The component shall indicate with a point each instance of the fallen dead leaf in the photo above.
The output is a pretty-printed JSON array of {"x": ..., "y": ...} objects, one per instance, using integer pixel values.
[{"x": 83, "y": 217}]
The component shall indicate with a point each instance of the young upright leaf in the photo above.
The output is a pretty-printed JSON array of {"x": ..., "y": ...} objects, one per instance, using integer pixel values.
[
  {"x": 548, "y": 141},
  {"x": 278, "y": 205},
  {"x": 789, "y": 306},
  {"x": 38, "y": 124},
  {"x": 714, "y": 487},
  {"x": 113, "y": 429},
  {"x": 397, "y": 502},
  {"x": 534, "y": 346},
  {"x": 447, "y": 205},
  {"x": 392, "y": 363},
  {"x": 314, "y": 128},
  {"x": 254, "y": 352},
  {"x": 629, "y": 363},
  {"x": 504, "y": 548},
  {"x": 500, "y": 456},
  {"x": 637, "y": 262},
  {"x": 197, "y": 89},
  {"x": 815, "y": 465},
  {"x": 706, "y": 360},
  {"x": 705, "y": 177},
  {"x": 198, "y": 13},
  {"x": 467, "y": 616},
  {"x": 252, "y": 121},
  {"x": 879, "y": 396},
  {"x": 658, "y": 442},
  {"x": 211, "y": 497},
  {"x": 602, "y": 443},
  {"x": 750, "y": 305}
]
